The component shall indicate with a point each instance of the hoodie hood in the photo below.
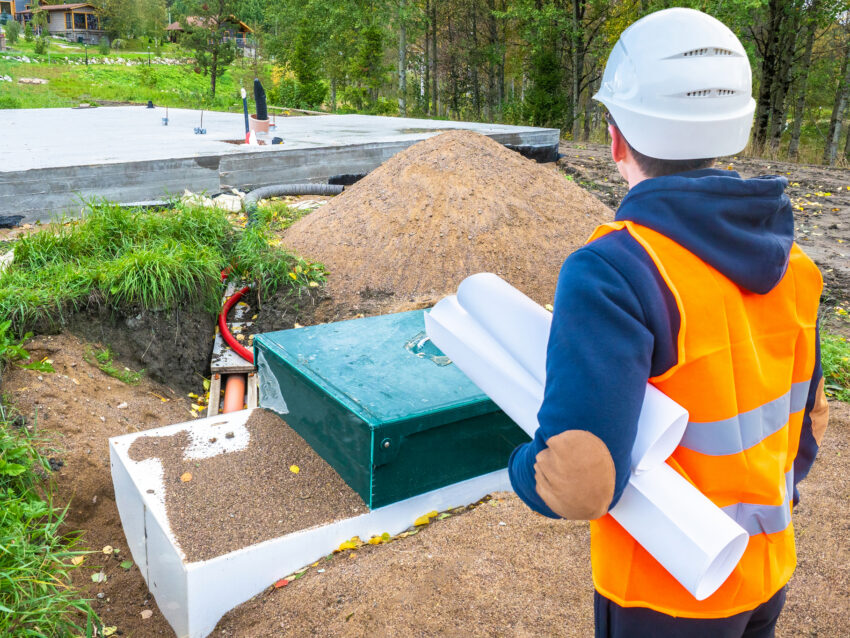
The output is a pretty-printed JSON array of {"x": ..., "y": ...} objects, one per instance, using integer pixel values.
[{"x": 742, "y": 227}]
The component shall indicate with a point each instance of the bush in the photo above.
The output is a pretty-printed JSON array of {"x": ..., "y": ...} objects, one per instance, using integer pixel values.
[
  {"x": 28, "y": 33},
  {"x": 41, "y": 45},
  {"x": 119, "y": 44},
  {"x": 13, "y": 31},
  {"x": 103, "y": 46}
]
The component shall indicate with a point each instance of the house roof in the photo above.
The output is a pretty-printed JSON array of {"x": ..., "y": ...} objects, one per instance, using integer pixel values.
[
  {"x": 65, "y": 7},
  {"x": 60, "y": 7},
  {"x": 195, "y": 21}
]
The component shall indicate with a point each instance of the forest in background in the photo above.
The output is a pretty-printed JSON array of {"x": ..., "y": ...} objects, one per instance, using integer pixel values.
[{"x": 535, "y": 62}]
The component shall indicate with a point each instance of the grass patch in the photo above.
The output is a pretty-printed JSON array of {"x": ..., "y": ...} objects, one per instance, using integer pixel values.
[
  {"x": 177, "y": 86},
  {"x": 835, "y": 359},
  {"x": 102, "y": 358},
  {"x": 35, "y": 562},
  {"x": 132, "y": 259}
]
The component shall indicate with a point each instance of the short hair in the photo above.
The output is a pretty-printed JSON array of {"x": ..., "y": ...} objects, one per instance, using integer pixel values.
[{"x": 654, "y": 167}]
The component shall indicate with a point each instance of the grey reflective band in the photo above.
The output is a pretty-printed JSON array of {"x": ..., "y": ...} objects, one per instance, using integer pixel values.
[
  {"x": 767, "y": 519},
  {"x": 743, "y": 431}
]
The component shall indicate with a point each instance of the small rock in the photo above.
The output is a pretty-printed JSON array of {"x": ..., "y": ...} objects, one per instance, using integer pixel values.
[
  {"x": 103, "y": 418},
  {"x": 122, "y": 406},
  {"x": 229, "y": 435},
  {"x": 100, "y": 594},
  {"x": 146, "y": 613}
]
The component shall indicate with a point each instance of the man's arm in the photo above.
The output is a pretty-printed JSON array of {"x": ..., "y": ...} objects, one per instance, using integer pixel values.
[
  {"x": 815, "y": 420},
  {"x": 603, "y": 347}
]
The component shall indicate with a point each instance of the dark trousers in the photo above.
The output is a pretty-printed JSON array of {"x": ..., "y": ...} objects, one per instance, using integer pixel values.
[{"x": 614, "y": 621}]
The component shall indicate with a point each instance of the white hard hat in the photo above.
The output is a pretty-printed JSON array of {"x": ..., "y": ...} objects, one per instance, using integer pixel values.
[{"x": 679, "y": 85}]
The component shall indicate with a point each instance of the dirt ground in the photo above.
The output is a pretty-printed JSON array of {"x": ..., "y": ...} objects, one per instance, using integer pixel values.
[{"x": 498, "y": 570}]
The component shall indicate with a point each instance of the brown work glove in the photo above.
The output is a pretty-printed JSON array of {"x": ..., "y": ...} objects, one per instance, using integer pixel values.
[{"x": 575, "y": 475}]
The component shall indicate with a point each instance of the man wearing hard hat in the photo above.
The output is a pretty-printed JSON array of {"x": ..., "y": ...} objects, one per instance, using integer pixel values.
[{"x": 698, "y": 288}]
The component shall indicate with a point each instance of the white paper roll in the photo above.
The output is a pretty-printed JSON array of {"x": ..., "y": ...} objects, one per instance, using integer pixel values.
[
  {"x": 486, "y": 363},
  {"x": 515, "y": 320},
  {"x": 661, "y": 426},
  {"x": 692, "y": 538}
]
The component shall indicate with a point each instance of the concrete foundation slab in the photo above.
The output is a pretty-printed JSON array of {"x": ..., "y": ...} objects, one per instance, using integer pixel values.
[{"x": 57, "y": 158}]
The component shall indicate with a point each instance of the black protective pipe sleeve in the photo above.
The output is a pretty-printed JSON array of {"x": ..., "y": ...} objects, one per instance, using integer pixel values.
[
  {"x": 252, "y": 199},
  {"x": 260, "y": 100}
]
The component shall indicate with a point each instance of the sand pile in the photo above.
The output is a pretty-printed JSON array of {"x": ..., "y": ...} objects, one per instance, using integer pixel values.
[{"x": 443, "y": 209}]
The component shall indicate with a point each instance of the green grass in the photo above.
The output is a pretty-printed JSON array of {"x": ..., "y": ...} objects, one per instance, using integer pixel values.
[
  {"x": 835, "y": 358},
  {"x": 102, "y": 358},
  {"x": 36, "y": 598},
  {"x": 132, "y": 259},
  {"x": 69, "y": 85}
]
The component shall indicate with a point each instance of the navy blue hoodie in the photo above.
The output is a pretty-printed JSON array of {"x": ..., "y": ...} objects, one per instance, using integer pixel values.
[{"x": 616, "y": 323}]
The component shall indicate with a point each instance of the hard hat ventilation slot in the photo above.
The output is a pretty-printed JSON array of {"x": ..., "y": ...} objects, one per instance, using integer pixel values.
[
  {"x": 707, "y": 51},
  {"x": 709, "y": 93}
]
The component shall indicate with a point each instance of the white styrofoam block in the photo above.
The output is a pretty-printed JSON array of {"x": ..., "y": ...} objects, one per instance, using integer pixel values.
[{"x": 194, "y": 596}]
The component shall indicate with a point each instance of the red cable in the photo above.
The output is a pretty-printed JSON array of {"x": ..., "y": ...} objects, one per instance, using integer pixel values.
[{"x": 238, "y": 348}]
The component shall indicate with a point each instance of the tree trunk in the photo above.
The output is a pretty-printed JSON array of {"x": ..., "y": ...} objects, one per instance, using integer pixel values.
[
  {"x": 474, "y": 60},
  {"x": 491, "y": 60},
  {"x": 802, "y": 82},
  {"x": 840, "y": 104},
  {"x": 577, "y": 64},
  {"x": 768, "y": 72},
  {"x": 847, "y": 144},
  {"x": 427, "y": 96},
  {"x": 333, "y": 95},
  {"x": 434, "y": 57},
  {"x": 782, "y": 79},
  {"x": 213, "y": 71},
  {"x": 402, "y": 60}
]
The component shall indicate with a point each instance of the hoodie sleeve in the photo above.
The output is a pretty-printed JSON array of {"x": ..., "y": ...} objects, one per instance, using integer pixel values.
[
  {"x": 603, "y": 347},
  {"x": 815, "y": 420}
]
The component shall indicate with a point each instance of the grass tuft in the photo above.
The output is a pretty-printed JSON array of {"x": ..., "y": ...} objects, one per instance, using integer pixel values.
[
  {"x": 835, "y": 359},
  {"x": 101, "y": 358},
  {"x": 35, "y": 561}
]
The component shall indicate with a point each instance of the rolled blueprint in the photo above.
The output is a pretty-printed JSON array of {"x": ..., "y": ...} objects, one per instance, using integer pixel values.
[
  {"x": 498, "y": 337},
  {"x": 696, "y": 541}
]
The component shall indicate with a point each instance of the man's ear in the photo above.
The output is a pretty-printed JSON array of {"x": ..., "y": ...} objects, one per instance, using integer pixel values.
[{"x": 619, "y": 148}]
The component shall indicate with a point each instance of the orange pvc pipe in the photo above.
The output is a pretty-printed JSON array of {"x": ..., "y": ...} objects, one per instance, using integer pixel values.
[{"x": 234, "y": 393}]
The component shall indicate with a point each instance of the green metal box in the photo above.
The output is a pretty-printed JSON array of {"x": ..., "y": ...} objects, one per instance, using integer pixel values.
[{"x": 383, "y": 406}]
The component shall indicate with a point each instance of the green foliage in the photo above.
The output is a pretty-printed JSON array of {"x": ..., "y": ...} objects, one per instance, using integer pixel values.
[
  {"x": 835, "y": 359},
  {"x": 13, "y": 32},
  {"x": 102, "y": 358},
  {"x": 41, "y": 45},
  {"x": 270, "y": 267},
  {"x": 35, "y": 596},
  {"x": 103, "y": 46},
  {"x": 28, "y": 32}
]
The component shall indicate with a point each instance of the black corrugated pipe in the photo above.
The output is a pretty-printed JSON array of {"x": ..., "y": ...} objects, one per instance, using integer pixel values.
[{"x": 252, "y": 199}]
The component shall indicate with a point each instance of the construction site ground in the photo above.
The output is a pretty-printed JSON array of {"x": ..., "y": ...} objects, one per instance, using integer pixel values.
[{"x": 495, "y": 570}]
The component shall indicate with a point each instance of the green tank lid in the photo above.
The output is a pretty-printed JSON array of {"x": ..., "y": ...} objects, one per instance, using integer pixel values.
[{"x": 378, "y": 401}]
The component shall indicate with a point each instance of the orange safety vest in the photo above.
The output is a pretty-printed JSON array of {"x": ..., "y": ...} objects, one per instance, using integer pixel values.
[{"x": 745, "y": 362}]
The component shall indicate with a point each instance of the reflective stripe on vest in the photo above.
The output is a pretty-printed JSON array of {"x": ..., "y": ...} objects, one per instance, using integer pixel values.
[
  {"x": 764, "y": 519},
  {"x": 743, "y": 431}
]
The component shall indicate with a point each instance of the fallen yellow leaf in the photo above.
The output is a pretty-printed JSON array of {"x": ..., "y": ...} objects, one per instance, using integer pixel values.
[
  {"x": 425, "y": 518},
  {"x": 107, "y": 549},
  {"x": 294, "y": 469},
  {"x": 186, "y": 477},
  {"x": 77, "y": 560}
]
